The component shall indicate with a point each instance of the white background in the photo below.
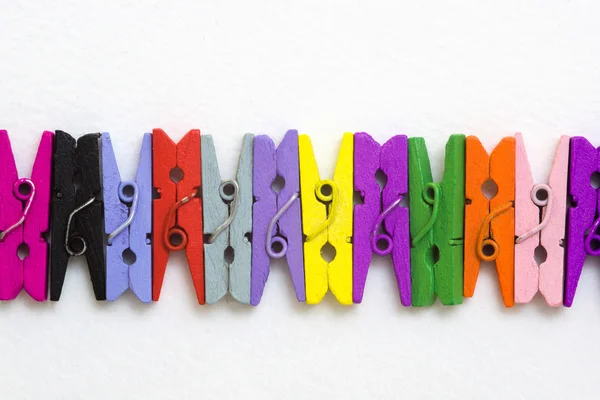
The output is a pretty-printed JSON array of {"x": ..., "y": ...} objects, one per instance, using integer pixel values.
[{"x": 386, "y": 67}]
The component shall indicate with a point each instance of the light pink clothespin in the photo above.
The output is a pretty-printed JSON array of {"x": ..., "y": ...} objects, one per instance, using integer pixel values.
[
  {"x": 540, "y": 220},
  {"x": 24, "y": 218}
]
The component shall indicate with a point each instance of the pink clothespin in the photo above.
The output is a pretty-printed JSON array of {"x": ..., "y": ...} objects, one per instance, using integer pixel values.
[
  {"x": 540, "y": 220},
  {"x": 24, "y": 218}
]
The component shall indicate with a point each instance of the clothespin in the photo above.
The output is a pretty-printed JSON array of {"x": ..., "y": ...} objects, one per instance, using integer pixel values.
[
  {"x": 277, "y": 219},
  {"x": 128, "y": 223},
  {"x": 540, "y": 220},
  {"x": 436, "y": 224},
  {"x": 381, "y": 207},
  {"x": 24, "y": 218},
  {"x": 583, "y": 218},
  {"x": 177, "y": 206},
  {"x": 327, "y": 218},
  {"x": 77, "y": 211},
  {"x": 490, "y": 223},
  {"x": 227, "y": 223}
]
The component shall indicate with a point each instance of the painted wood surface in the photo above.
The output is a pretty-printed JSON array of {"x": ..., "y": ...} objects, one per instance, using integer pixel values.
[
  {"x": 437, "y": 239},
  {"x": 392, "y": 160},
  {"x": 548, "y": 277},
  {"x": 337, "y": 274},
  {"x": 499, "y": 232},
  {"x": 582, "y": 214},
  {"x": 117, "y": 207},
  {"x": 287, "y": 232},
  {"x": 186, "y": 222}
]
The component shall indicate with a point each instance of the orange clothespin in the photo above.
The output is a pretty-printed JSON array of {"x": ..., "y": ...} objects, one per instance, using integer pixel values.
[
  {"x": 490, "y": 222},
  {"x": 177, "y": 207}
]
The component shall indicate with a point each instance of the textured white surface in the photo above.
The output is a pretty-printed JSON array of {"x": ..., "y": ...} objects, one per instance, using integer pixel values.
[{"x": 323, "y": 67}]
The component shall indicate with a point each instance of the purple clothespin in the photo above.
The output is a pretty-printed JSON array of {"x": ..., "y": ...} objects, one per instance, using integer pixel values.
[
  {"x": 381, "y": 208},
  {"x": 128, "y": 224},
  {"x": 583, "y": 215},
  {"x": 279, "y": 211}
]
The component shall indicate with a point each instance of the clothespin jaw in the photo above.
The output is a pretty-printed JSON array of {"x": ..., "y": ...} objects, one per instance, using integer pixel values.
[
  {"x": 77, "y": 211},
  {"x": 490, "y": 223},
  {"x": 280, "y": 211},
  {"x": 547, "y": 231},
  {"x": 582, "y": 219},
  {"x": 436, "y": 224},
  {"x": 24, "y": 217},
  {"x": 327, "y": 218},
  {"x": 392, "y": 160},
  {"x": 177, "y": 207},
  {"x": 227, "y": 223},
  {"x": 128, "y": 223}
]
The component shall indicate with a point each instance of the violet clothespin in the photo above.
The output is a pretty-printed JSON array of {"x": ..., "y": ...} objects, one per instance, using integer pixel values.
[
  {"x": 381, "y": 208},
  {"x": 24, "y": 218},
  {"x": 583, "y": 220},
  {"x": 277, "y": 223},
  {"x": 128, "y": 224}
]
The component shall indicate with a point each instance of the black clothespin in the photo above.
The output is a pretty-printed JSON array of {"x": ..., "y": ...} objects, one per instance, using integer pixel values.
[{"x": 77, "y": 210}]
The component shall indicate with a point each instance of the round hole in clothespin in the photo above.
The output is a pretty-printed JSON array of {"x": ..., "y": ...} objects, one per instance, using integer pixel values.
[
  {"x": 176, "y": 174},
  {"x": 328, "y": 252},
  {"x": 23, "y": 251},
  {"x": 489, "y": 189},
  {"x": 433, "y": 254},
  {"x": 129, "y": 257},
  {"x": 595, "y": 180},
  {"x": 23, "y": 189}
]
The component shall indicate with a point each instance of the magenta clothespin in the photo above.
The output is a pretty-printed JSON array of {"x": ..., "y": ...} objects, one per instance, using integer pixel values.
[
  {"x": 381, "y": 209},
  {"x": 24, "y": 218},
  {"x": 583, "y": 219}
]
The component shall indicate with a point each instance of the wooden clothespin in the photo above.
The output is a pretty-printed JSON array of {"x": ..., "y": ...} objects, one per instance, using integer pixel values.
[
  {"x": 327, "y": 218},
  {"x": 77, "y": 211},
  {"x": 128, "y": 223},
  {"x": 540, "y": 220},
  {"x": 583, "y": 218},
  {"x": 381, "y": 207},
  {"x": 24, "y": 218},
  {"x": 227, "y": 223},
  {"x": 177, "y": 206},
  {"x": 277, "y": 219},
  {"x": 436, "y": 224},
  {"x": 490, "y": 223}
]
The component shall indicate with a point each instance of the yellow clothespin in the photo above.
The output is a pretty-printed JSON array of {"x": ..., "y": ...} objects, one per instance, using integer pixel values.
[{"x": 327, "y": 217}]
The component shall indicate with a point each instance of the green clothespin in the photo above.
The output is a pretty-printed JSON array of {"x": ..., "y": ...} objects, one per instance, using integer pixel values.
[{"x": 436, "y": 224}]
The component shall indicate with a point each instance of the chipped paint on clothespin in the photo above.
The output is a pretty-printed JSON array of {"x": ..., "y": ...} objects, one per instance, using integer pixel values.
[
  {"x": 77, "y": 211},
  {"x": 331, "y": 223},
  {"x": 583, "y": 215},
  {"x": 490, "y": 223},
  {"x": 286, "y": 235},
  {"x": 227, "y": 223},
  {"x": 547, "y": 229},
  {"x": 177, "y": 207},
  {"x": 436, "y": 224},
  {"x": 24, "y": 218},
  {"x": 381, "y": 207},
  {"x": 128, "y": 223}
]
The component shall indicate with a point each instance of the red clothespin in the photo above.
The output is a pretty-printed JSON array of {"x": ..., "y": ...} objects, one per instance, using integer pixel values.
[{"x": 177, "y": 207}]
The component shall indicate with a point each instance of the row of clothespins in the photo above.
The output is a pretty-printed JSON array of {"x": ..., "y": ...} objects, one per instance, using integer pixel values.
[{"x": 77, "y": 204}]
